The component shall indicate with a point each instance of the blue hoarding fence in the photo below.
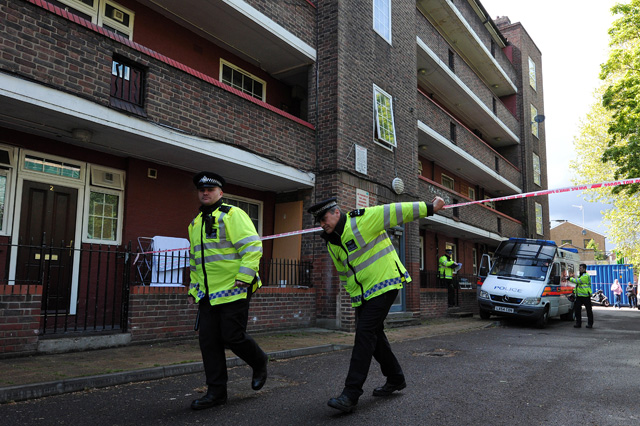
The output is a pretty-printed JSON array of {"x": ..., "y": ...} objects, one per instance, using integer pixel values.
[{"x": 602, "y": 277}]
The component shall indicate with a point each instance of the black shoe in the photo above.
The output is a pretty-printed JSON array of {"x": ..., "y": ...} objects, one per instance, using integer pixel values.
[
  {"x": 259, "y": 376},
  {"x": 577, "y": 326},
  {"x": 342, "y": 403},
  {"x": 388, "y": 389},
  {"x": 589, "y": 326},
  {"x": 208, "y": 401}
]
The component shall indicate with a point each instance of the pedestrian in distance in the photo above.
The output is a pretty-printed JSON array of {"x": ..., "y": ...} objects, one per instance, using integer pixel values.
[
  {"x": 371, "y": 272},
  {"x": 582, "y": 293},
  {"x": 446, "y": 266},
  {"x": 224, "y": 259},
  {"x": 616, "y": 289},
  {"x": 632, "y": 295}
]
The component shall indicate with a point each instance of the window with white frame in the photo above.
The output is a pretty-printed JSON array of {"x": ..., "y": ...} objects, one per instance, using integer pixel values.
[
  {"x": 472, "y": 193},
  {"x": 382, "y": 18},
  {"x": 252, "y": 208},
  {"x": 242, "y": 80},
  {"x": 534, "y": 123},
  {"x": 539, "y": 225},
  {"x": 532, "y": 74},
  {"x": 536, "y": 170},
  {"x": 104, "y": 13},
  {"x": 490, "y": 204},
  {"x": 383, "y": 108},
  {"x": 448, "y": 182},
  {"x": 104, "y": 205}
]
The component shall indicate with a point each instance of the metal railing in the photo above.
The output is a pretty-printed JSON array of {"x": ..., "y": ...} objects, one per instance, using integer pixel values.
[{"x": 429, "y": 279}]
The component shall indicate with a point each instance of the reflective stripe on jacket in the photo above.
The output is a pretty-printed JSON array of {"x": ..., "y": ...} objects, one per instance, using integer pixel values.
[
  {"x": 366, "y": 259},
  {"x": 231, "y": 252},
  {"x": 445, "y": 269},
  {"x": 583, "y": 285}
]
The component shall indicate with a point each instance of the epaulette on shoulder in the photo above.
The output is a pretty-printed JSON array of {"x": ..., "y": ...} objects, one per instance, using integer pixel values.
[
  {"x": 225, "y": 208},
  {"x": 357, "y": 212}
]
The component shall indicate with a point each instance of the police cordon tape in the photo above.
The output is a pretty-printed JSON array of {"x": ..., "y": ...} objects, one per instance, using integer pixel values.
[
  {"x": 551, "y": 191},
  {"x": 448, "y": 206}
]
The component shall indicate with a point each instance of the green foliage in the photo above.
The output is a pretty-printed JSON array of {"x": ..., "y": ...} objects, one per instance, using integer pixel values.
[{"x": 621, "y": 97}]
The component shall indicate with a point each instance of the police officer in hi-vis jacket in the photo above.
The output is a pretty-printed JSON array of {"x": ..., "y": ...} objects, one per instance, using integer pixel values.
[
  {"x": 582, "y": 292},
  {"x": 371, "y": 272},
  {"x": 224, "y": 258}
]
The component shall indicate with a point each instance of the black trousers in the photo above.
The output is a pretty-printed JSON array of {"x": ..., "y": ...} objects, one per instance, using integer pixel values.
[
  {"x": 577, "y": 309},
  {"x": 451, "y": 291},
  {"x": 220, "y": 326},
  {"x": 371, "y": 342}
]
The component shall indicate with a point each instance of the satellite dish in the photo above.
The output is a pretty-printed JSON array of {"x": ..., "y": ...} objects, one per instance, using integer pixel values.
[
  {"x": 538, "y": 118},
  {"x": 584, "y": 232}
]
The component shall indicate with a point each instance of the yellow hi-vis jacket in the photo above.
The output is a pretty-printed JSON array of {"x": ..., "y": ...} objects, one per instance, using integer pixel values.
[
  {"x": 583, "y": 285},
  {"x": 363, "y": 254},
  {"x": 231, "y": 252},
  {"x": 445, "y": 269}
]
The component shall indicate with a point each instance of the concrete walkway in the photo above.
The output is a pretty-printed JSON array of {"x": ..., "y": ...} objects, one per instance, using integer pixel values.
[{"x": 45, "y": 375}]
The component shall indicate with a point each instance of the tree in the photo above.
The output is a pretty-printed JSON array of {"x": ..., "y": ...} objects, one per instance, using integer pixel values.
[
  {"x": 623, "y": 220},
  {"x": 622, "y": 95},
  {"x": 597, "y": 253}
]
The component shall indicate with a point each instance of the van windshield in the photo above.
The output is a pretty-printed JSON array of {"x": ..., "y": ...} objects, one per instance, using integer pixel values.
[{"x": 523, "y": 260}]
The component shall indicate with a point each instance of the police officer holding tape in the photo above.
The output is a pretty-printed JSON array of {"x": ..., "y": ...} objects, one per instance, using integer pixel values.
[
  {"x": 371, "y": 272},
  {"x": 224, "y": 258},
  {"x": 582, "y": 293}
]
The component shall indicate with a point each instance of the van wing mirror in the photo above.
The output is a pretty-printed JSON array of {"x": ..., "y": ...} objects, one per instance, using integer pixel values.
[
  {"x": 555, "y": 280},
  {"x": 485, "y": 266}
]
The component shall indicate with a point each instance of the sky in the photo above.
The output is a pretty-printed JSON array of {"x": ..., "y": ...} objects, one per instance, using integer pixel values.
[{"x": 572, "y": 36}]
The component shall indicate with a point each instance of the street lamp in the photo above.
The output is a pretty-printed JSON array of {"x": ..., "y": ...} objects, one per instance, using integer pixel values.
[{"x": 581, "y": 207}]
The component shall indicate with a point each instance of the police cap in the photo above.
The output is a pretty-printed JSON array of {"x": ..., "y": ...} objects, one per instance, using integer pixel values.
[
  {"x": 208, "y": 180},
  {"x": 318, "y": 210}
]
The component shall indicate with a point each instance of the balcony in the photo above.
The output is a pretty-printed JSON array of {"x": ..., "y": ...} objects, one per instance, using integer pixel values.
[
  {"x": 187, "y": 119},
  {"x": 475, "y": 223},
  {"x": 474, "y": 160},
  {"x": 459, "y": 32},
  {"x": 278, "y": 40}
]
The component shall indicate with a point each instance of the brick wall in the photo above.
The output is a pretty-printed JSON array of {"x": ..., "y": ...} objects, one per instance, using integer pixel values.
[
  {"x": 160, "y": 313},
  {"x": 19, "y": 318},
  {"x": 433, "y": 302}
]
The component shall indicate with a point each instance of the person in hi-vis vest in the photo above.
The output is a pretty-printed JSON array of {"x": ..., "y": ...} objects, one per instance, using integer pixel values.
[{"x": 446, "y": 265}]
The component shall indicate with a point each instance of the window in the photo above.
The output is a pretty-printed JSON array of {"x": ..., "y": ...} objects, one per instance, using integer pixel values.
[
  {"x": 382, "y": 18},
  {"x": 586, "y": 242},
  {"x": 456, "y": 210},
  {"x": 532, "y": 74},
  {"x": 251, "y": 207},
  {"x": 448, "y": 182},
  {"x": 451, "y": 246},
  {"x": 472, "y": 193},
  {"x": 242, "y": 80},
  {"x": 385, "y": 128},
  {"x": 452, "y": 61},
  {"x": 534, "y": 123},
  {"x": 51, "y": 166},
  {"x": 494, "y": 106},
  {"x": 490, "y": 204},
  {"x": 127, "y": 82},
  {"x": 104, "y": 13},
  {"x": 539, "y": 226},
  {"x": 422, "y": 253},
  {"x": 104, "y": 195},
  {"x": 452, "y": 132},
  {"x": 536, "y": 170},
  {"x": 104, "y": 212},
  {"x": 562, "y": 242}
]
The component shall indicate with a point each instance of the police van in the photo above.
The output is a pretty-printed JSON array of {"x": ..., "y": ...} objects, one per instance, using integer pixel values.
[{"x": 527, "y": 279}]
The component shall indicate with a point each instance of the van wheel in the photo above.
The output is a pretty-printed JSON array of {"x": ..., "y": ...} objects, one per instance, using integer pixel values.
[
  {"x": 544, "y": 318},
  {"x": 485, "y": 315}
]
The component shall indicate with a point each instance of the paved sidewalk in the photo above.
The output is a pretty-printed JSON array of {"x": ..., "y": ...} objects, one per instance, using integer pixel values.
[{"x": 44, "y": 375}]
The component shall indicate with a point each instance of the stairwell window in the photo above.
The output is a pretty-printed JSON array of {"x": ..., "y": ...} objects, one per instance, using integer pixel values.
[
  {"x": 448, "y": 182},
  {"x": 536, "y": 170},
  {"x": 532, "y": 74},
  {"x": 385, "y": 130},
  {"x": 382, "y": 18},
  {"x": 242, "y": 80},
  {"x": 534, "y": 124},
  {"x": 104, "y": 13},
  {"x": 539, "y": 226}
]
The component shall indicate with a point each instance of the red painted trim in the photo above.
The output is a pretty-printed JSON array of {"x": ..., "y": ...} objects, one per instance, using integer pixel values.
[
  {"x": 312, "y": 5},
  {"x": 142, "y": 49}
]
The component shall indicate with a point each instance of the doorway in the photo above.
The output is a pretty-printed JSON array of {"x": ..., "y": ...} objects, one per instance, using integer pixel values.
[{"x": 46, "y": 233}]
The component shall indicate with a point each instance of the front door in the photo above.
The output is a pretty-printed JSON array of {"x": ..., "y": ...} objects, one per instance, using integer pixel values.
[
  {"x": 47, "y": 230},
  {"x": 397, "y": 238}
]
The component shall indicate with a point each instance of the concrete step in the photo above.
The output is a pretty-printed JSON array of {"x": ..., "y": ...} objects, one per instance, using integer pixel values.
[
  {"x": 401, "y": 319},
  {"x": 460, "y": 314}
]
